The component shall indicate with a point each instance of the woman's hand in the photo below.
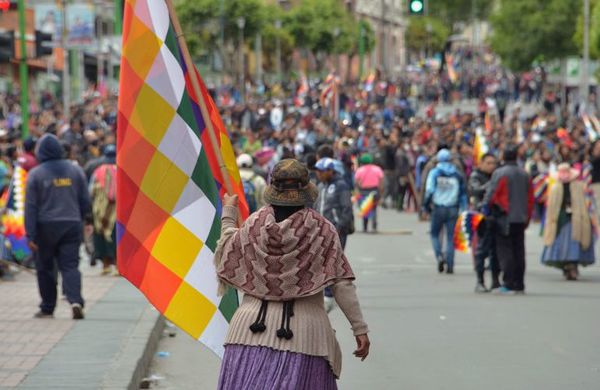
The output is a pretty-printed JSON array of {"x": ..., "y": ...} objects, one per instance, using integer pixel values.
[
  {"x": 230, "y": 200},
  {"x": 363, "y": 344}
]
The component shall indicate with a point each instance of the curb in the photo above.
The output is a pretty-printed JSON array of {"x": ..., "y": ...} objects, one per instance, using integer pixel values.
[
  {"x": 111, "y": 349},
  {"x": 132, "y": 363}
]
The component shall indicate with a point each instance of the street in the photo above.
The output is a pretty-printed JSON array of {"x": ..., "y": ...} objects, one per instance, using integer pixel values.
[{"x": 430, "y": 331}]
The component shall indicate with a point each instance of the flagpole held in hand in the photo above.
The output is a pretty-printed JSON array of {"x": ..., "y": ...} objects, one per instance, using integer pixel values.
[{"x": 198, "y": 91}]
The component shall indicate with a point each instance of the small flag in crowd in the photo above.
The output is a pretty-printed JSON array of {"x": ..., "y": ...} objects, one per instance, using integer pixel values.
[
  {"x": 540, "y": 188},
  {"x": 302, "y": 90},
  {"x": 366, "y": 204},
  {"x": 169, "y": 181},
  {"x": 370, "y": 81},
  {"x": 480, "y": 147},
  {"x": 589, "y": 127},
  {"x": 465, "y": 230},
  {"x": 487, "y": 123},
  {"x": 13, "y": 219},
  {"x": 329, "y": 94},
  {"x": 452, "y": 74}
]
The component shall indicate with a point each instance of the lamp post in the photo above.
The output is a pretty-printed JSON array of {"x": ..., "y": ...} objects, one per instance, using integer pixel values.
[
  {"x": 278, "y": 51},
  {"x": 23, "y": 71},
  {"x": 241, "y": 23},
  {"x": 336, "y": 34},
  {"x": 585, "y": 81}
]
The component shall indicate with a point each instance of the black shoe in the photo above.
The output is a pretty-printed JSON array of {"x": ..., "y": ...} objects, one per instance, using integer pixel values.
[
  {"x": 42, "y": 314},
  {"x": 77, "y": 311},
  {"x": 450, "y": 270},
  {"x": 495, "y": 282},
  {"x": 440, "y": 266}
]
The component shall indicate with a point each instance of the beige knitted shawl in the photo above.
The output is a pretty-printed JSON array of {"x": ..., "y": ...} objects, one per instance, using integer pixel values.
[
  {"x": 580, "y": 219},
  {"x": 295, "y": 258}
]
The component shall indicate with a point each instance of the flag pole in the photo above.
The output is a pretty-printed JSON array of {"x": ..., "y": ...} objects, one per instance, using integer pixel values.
[{"x": 198, "y": 91}]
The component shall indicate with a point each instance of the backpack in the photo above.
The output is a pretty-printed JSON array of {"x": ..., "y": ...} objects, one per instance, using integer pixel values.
[
  {"x": 106, "y": 178},
  {"x": 250, "y": 194}
]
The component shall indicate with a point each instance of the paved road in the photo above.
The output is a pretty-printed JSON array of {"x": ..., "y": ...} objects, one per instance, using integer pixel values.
[{"x": 430, "y": 331}]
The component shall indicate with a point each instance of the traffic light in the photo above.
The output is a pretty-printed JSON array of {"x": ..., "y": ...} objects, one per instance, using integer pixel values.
[
  {"x": 416, "y": 7},
  {"x": 43, "y": 43},
  {"x": 7, "y": 46}
]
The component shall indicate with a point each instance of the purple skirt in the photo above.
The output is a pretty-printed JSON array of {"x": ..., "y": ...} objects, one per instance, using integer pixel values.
[{"x": 262, "y": 368}]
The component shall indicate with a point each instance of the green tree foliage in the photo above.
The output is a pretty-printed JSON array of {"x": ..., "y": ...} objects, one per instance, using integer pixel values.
[
  {"x": 368, "y": 36},
  {"x": 194, "y": 17},
  {"x": 453, "y": 11},
  {"x": 322, "y": 26},
  {"x": 594, "y": 30},
  {"x": 271, "y": 33},
  {"x": 524, "y": 30},
  {"x": 418, "y": 37}
]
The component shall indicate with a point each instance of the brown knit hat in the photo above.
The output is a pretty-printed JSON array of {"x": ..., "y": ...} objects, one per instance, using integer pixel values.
[{"x": 290, "y": 185}]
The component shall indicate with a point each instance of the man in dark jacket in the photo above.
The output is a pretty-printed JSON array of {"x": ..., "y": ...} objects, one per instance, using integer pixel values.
[
  {"x": 56, "y": 203},
  {"x": 486, "y": 246},
  {"x": 335, "y": 200},
  {"x": 334, "y": 203},
  {"x": 509, "y": 199},
  {"x": 402, "y": 171}
]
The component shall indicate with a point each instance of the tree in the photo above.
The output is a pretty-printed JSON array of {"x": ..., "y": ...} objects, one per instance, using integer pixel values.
[
  {"x": 524, "y": 30},
  {"x": 271, "y": 33},
  {"x": 201, "y": 19},
  {"x": 426, "y": 33},
  {"x": 594, "y": 30},
  {"x": 454, "y": 11},
  {"x": 194, "y": 15},
  {"x": 322, "y": 26}
]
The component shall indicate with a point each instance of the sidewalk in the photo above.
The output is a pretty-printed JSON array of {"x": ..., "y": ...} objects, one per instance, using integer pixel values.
[{"x": 61, "y": 353}]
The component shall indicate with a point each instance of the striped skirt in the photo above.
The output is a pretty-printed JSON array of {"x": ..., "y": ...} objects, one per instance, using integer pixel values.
[{"x": 262, "y": 368}]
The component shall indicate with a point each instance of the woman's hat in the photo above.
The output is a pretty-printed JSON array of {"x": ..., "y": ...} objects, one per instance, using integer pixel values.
[
  {"x": 365, "y": 159},
  {"x": 567, "y": 172},
  {"x": 290, "y": 185}
]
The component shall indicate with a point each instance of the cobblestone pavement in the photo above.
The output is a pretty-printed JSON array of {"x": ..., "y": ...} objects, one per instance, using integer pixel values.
[{"x": 24, "y": 340}]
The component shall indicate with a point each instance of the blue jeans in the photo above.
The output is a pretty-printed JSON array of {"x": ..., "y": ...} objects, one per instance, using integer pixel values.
[{"x": 443, "y": 218}]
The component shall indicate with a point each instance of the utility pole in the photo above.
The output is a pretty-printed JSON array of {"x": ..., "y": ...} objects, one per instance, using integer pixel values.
[
  {"x": 278, "y": 51},
  {"x": 66, "y": 81},
  {"x": 241, "y": 22},
  {"x": 23, "y": 72},
  {"x": 118, "y": 17},
  {"x": 224, "y": 68},
  {"x": 258, "y": 53},
  {"x": 383, "y": 38},
  {"x": 585, "y": 79},
  {"x": 100, "y": 55},
  {"x": 361, "y": 51}
]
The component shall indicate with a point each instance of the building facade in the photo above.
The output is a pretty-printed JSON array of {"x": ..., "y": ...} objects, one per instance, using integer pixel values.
[{"x": 388, "y": 19}]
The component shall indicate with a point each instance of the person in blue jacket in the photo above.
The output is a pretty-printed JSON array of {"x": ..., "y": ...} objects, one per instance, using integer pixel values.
[
  {"x": 445, "y": 196},
  {"x": 56, "y": 202}
]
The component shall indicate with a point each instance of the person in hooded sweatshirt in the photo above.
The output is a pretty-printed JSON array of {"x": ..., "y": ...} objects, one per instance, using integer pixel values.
[
  {"x": 445, "y": 196},
  {"x": 56, "y": 202}
]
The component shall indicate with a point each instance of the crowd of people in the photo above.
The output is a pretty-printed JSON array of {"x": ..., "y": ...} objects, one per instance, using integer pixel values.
[
  {"x": 377, "y": 143},
  {"x": 71, "y": 183}
]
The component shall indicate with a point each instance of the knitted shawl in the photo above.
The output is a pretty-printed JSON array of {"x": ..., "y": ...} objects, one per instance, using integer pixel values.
[{"x": 294, "y": 258}]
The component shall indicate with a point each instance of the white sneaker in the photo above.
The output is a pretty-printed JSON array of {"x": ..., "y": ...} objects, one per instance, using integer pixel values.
[{"x": 329, "y": 304}]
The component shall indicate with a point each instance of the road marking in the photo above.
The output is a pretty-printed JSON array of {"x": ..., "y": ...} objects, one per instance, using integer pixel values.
[{"x": 368, "y": 259}]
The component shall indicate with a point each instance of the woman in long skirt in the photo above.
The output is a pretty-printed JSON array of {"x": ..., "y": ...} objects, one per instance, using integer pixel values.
[
  {"x": 568, "y": 232},
  {"x": 282, "y": 258}
]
